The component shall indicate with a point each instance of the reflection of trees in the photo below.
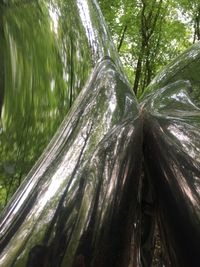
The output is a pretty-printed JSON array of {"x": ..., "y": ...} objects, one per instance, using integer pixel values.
[
  {"x": 1, "y": 59},
  {"x": 44, "y": 71}
]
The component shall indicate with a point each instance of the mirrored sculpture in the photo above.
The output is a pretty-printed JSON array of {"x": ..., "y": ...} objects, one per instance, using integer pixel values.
[{"x": 73, "y": 135}]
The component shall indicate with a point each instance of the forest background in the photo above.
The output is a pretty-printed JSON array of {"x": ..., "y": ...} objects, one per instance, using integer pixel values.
[{"x": 148, "y": 34}]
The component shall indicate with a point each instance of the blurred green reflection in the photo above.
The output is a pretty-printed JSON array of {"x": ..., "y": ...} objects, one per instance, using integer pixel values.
[{"x": 47, "y": 51}]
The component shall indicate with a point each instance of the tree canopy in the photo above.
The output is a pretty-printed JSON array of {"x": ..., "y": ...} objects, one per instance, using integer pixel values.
[{"x": 148, "y": 34}]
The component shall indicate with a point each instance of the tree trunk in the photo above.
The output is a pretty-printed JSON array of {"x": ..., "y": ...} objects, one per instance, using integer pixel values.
[
  {"x": 122, "y": 38},
  {"x": 138, "y": 70}
]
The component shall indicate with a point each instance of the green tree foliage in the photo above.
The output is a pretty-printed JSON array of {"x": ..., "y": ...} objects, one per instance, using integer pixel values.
[
  {"x": 150, "y": 33},
  {"x": 191, "y": 11}
]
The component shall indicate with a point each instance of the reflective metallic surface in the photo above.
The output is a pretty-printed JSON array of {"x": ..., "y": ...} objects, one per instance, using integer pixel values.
[
  {"x": 47, "y": 52},
  {"x": 186, "y": 67},
  {"x": 79, "y": 206},
  {"x": 172, "y": 155}
]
